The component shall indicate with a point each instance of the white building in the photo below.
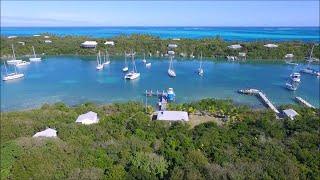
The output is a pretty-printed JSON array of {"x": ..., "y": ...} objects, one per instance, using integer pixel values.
[
  {"x": 11, "y": 37},
  {"x": 49, "y": 133},
  {"x": 235, "y": 46},
  {"x": 270, "y": 45},
  {"x": 172, "y": 46},
  {"x": 89, "y": 44},
  {"x": 289, "y": 56},
  {"x": 46, "y": 37},
  {"x": 47, "y": 41},
  {"x": 171, "y": 52},
  {"x": 109, "y": 43},
  {"x": 88, "y": 118},
  {"x": 22, "y": 43},
  {"x": 290, "y": 113},
  {"x": 36, "y": 35},
  {"x": 172, "y": 116}
]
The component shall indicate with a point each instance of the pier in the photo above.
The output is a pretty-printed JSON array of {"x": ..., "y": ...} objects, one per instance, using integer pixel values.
[
  {"x": 304, "y": 102},
  {"x": 262, "y": 96}
]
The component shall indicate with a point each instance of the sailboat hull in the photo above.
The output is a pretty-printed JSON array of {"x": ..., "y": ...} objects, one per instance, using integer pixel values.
[
  {"x": 12, "y": 77},
  {"x": 132, "y": 76},
  {"x": 171, "y": 73},
  {"x": 35, "y": 59},
  {"x": 14, "y": 61}
]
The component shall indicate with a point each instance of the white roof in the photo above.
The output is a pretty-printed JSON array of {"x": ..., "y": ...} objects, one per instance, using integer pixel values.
[
  {"x": 46, "y": 37},
  {"x": 172, "y": 116},
  {"x": 176, "y": 39},
  {"x": 289, "y": 56},
  {"x": 242, "y": 54},
  {"x": 109, "y": 43},
  {"x": 90, "y": 43},
  {"x": 10, "y": 37},
  {"x": 88, "y": 118},
  {"x": 171, "y": 52},
  {"x": 51, "y": 133},
  {"x": 290, "y": 113},
  {"x": 235, "y": 46},
  {"x": 36, "y": 35},
  {"x": 47, "y": 41},
  {"x": 172, "y": 45},
  {"x": 270, "y": 45}
]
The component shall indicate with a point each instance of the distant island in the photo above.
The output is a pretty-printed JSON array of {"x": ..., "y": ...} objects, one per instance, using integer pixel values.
[{"x": 217, "y": 48}]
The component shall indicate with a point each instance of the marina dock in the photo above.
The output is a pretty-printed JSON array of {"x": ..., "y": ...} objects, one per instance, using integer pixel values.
[
  {"x": 262, "y": 96},
  {"x": 304, "y": 102}
]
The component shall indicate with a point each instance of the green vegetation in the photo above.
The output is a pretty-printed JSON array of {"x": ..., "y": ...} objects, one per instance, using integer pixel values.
[
  {"x": 126, "y": 144},
  {"x": 210, "y": 47}
]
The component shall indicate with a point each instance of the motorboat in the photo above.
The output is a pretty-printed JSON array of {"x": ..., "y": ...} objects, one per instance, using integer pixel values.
[
  {"x": 148, "y": 64},
  {"x": 170, "y": 94},
  {"x": 292, "y": 85},
  {"x": 295, "y": 77},
  {"x": 34, "y": 58}
]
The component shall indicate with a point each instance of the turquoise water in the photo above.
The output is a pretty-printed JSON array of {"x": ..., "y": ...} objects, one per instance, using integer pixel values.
[
  {"x": 227, "y": 33},
  {"x": 74, "y": 80}
]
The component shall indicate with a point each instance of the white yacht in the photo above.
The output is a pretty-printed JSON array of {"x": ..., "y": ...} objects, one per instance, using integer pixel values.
[
  {"x": 125, "y": 68},
  {"x": 99, "y": 65},
  {"x": 295, "y": 77},
  {"x": 171, "y": 71},
  {"x": 14, "y": 61},
  {"x": 106, "y": 58},
  {"x": 200, "y": 70},
  {"x": 11, "y": 76},
  {"x": 292, "y": 86},
  {"x": 22, "y": 63},
  {"x": 148, "y": 64},
  {"x": 134, "y": 73},
  {"x": 34, "y": 58}
]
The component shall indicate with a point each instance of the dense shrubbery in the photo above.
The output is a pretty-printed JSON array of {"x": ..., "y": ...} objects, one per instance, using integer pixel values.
[
  {"x": 126, "y": 144},
  {"x": 210, "y": 47}
]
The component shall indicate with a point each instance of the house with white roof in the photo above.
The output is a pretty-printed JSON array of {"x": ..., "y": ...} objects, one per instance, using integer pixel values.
[
  {"x": 289, "y": 56},
  {"x": 172, "y": 46},
  {"x": 47, "y": 41},
  {"x": 172, "y": 116},
  {"x": 89, "y": 44},
  {"x": 270, "y": 45},
  {"x": 111, "y": 43},
  {"x": 88, "y": 118},
  {"x": 235, "y": 46},
  {"x": 48, "y": 133},
  {"x": 290, "y": 113}
]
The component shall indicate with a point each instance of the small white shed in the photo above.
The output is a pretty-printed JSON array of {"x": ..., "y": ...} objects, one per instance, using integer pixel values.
[
  {"x": 172, "y": 45},
  {"x": 48, "y": 133},
  {"x": 235, "y": 46},
  {"x": 290, "y": 113},
  {"x": 89, "y": 44},
  {"x": 172, "y": 116},
  {"x": 88, "y": 118},
  {"x": 109, "y": 43},
  {"x": 270, "y": 45}
]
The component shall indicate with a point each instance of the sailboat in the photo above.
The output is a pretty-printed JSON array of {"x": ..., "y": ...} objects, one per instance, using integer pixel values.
[
  {"x": 148, "y": 64},
  {"x": 125, "y": 68},
  {"x": 308, "y": 69},
  {"x": 34, "y": 58},
  {"x": 99, "y": 65},
  {"x": 200, "y": 70},
  {"x": 132, "y": 74},
  {"x": 106, "y": 59},
  {"x": 144, "y": 58},
  {"x": 13, "y": 61},
  {"x": 171, "y": 71},
  {"x": 11, "y": 76}
]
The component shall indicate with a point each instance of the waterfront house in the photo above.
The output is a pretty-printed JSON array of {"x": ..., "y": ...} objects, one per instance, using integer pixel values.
[
  {"x": 235, "y": 46},
  {"x": 172, "y": 46},
  {"x": 48, "y": 133},
  {"x": 89, "y": 44},
  {"x": 242, "y": 55},
  {"x": 171, "y": 52},
  {"x": 88, "y": 118},
  {"x": 290, "y": 113},
  {"x": 270, "y": 45},
  {"x": 288, "y": 56},
  {"x": 172, "y": 116},
  {"x": 111, "y": 43}
]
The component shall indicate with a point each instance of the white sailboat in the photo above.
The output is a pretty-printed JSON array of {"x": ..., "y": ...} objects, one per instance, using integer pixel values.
[
  {"x": 171, "y": 71},
  {"x": 134, "y": 73},
  {"x": 13, "y": 61},
  {"x": 106, "y": 58},
  {"x": 34, "y": 58},
  {"x": 308, "y": 69},
  {"x": 11, "y": 76},
  {"x": 125, "y": 68},
  {"x": 148, "y": 64},
  {"x": 99, "y": 65},
  {"x": 144, "y": 58},
  {"x": 200, "y": 70}
]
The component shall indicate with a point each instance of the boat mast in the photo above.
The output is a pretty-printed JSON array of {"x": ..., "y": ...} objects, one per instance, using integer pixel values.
[
  {"x": 201, "y": 61},
  {"x": 5, "y": 67},
  {"x": 125, "y": 59},
  {"x": 34, "y": 53},
  {"x": 134, "y": 64},
  {"x": 14, "y": 55}
]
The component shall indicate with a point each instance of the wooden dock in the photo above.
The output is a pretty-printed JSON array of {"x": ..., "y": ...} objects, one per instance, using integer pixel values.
[
  {"x": 262, "y": 96},
  {"x": 304, "y": 102}
]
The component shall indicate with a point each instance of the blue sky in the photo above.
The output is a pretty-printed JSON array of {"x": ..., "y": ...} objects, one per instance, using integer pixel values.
[{"x": 160, "y": 13}]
